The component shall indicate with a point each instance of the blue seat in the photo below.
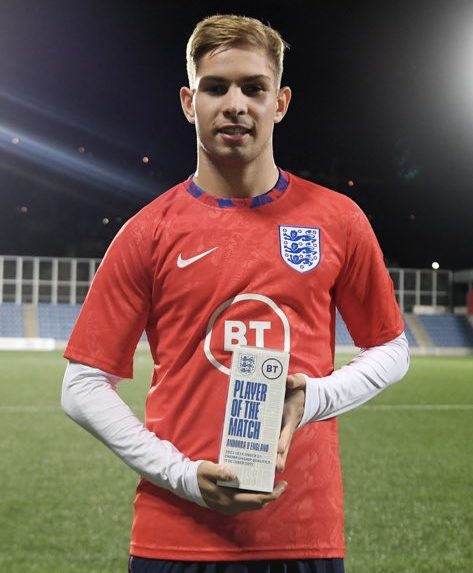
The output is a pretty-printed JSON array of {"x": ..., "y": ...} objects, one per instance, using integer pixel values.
[
  {"x": 57, "y": 321},
  {"x": 343, "y": 337},
  {"x": 11, "y": 320},
  {"x": 447, "y": 330},
  {"x": 411, "y": 339}
]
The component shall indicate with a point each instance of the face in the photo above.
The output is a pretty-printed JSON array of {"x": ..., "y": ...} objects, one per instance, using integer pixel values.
[{"x": 235, "y": 105}]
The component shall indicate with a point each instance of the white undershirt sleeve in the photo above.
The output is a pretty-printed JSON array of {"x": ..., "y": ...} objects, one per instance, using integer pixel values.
[
  {"x": 372, "y": 370},
  {"x": 90, "y": 398}
]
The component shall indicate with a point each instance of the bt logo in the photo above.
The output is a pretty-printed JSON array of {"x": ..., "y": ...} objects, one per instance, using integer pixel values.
[
  {"x": 271, "y": 368},
  {"x": 249, "y": 319},
  {"x": 236, "y": 331}
]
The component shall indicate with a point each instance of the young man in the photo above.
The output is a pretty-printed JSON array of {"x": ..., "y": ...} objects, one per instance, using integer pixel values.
[{"x": 241, "y": 253}]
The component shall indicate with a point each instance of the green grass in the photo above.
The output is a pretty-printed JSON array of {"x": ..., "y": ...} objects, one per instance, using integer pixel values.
[
  {"x": 66, "y": 502},
  {"x": 408, "y": 473}
]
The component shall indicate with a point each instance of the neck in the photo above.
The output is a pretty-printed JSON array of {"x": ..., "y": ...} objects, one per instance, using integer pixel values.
[{"x": 235, "y": 179}]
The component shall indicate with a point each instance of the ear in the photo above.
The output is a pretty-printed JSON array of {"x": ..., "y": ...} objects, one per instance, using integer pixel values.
[
  {"x": 284, "y": 97},
  {"x": 187, "y": 103}
]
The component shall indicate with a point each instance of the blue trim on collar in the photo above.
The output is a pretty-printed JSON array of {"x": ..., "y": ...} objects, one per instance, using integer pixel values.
[
  {"x": 229, "y": 202},
  {"x": 195, "y": 190},
  {"x": 225, "y": 202},
  {"x": 260, "y": 200}
]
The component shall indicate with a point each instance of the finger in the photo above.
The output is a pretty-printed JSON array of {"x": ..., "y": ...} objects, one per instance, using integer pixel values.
[
  {"x": 249, "y": 501},
  {"x": 285, "y": 437},
  {"x": 231, "y": 501},
  {"x": 279, "y": 489},
  {"x": 281, "y": 461},
  {"x": 283, "y": 447}
]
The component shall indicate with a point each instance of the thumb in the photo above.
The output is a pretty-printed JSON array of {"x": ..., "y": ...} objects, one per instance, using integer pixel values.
[
  {"x": 295, "y": 382},
  {"x": 215, "y": 472}
]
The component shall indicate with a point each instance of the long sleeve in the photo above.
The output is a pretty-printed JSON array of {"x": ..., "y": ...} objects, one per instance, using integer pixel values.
[
  {"x": 90, "y": 398},
  {"x": 372, "y": 370}
]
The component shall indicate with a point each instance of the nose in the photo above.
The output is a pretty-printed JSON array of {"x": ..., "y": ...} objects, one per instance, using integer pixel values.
[{"x": 234, "y": 102}]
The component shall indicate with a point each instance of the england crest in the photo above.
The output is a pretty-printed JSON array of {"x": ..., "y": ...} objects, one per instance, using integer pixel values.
[
  {"x": 247, "y": 364},
  {"x": 300, "y": 247}
]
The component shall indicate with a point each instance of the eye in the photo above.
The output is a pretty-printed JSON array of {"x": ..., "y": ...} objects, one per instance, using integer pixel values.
[
  {"x": 253, "y": 89},
  {"x": 216, "y": 89}
]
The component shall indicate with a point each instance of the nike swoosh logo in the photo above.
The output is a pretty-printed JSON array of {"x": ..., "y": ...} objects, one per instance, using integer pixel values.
[{"x": 183, "y": 263}]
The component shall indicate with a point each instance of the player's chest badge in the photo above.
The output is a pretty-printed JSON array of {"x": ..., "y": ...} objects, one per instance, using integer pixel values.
[{"x": 300, "y": 247}]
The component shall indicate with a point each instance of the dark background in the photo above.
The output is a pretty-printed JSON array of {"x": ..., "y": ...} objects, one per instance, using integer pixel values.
[{"x": 382, "y": 97}]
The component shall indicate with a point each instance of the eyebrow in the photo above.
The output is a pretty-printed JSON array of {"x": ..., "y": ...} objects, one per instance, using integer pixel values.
[{"x": 257, "y": 77}]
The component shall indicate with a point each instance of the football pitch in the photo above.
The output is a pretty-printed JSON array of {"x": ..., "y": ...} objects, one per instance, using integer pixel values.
[{"x": 65, "y": 501}]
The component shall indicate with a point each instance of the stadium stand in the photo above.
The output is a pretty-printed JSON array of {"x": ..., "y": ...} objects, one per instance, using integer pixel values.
[
  {"x": 40, "y": 298},
  {"x": 447, "y": 330},
  {"x": 11, "y": 320},
  {"x": 343, "y": 337},
  {"x": 411, "y": 339},
  {"x": 57, "y": 321}
]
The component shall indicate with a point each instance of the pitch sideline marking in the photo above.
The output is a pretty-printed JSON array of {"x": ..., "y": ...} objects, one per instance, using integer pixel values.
[
  {"x": 374, "y": 407},
  {"x": 388, "y": 407},
  {"x": 47, "y": 408}
]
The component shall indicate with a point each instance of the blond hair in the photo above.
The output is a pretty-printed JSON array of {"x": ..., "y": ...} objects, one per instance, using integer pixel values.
[{"x": 225, "y": 30}]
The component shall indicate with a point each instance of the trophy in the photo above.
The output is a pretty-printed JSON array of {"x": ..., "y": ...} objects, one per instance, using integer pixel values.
[{"x": 253, "y": 416}]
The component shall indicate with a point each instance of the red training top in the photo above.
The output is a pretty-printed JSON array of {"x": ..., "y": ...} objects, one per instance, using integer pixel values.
[{"x": 202, "y": 275}]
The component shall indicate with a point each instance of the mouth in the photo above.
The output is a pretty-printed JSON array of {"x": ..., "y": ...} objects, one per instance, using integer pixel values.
[
  {"x": 234, "y": 130},
  {"x": 234, "y": 133}
]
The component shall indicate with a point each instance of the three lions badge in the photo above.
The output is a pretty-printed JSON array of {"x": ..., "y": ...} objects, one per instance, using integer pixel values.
[{"x": 300, "y": 247}]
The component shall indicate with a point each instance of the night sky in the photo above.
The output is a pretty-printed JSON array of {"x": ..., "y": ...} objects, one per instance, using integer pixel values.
[{"x": 382, "y": 110}]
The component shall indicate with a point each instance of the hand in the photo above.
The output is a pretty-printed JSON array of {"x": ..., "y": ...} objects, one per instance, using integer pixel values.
[
  {"x": 231, "y": 501},
  {"x": 292, "y": 415}
]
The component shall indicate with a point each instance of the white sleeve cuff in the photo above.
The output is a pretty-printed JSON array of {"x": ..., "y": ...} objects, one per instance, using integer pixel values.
[{"x": 372, "y": 370}]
